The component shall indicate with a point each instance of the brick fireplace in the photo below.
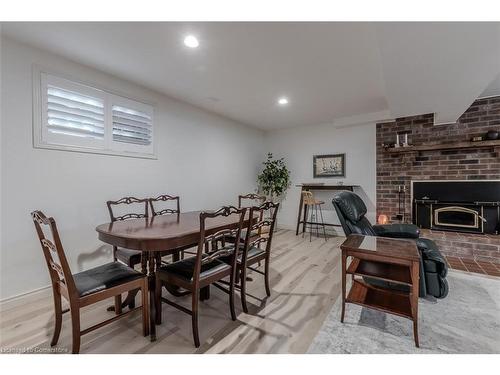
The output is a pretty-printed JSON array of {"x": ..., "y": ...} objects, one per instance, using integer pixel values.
[{"x": 396, "y": 170}]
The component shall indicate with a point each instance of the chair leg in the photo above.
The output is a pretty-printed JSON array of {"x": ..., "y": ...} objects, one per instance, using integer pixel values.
[
  {"x": 266, "y": 277},
  {"x": 243, "y": 289},
  {"x": 158, "y": 286},
  {"x": 118, "y": 304},
  {"x": 194, "y": 317},
  {"x": 317, "y": 221},
  {"x": 145, "y": 308},
  {"x": 310, "y": 225},
  {"x": 304, "y": 227},
  {"x": 322, "y": 222},
  {"x": 231, "y": 295},
  {"x": 131, "y": 305},
  {"x": 75, "y": 324},
  {"x": 58, "y": 317}
]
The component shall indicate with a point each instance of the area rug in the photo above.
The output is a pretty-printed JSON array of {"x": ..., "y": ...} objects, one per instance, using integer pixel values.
[{"x": 466, "y": 321}]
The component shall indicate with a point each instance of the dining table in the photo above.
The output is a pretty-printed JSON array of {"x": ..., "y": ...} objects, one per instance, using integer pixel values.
[{"x": 159, "y": 236}]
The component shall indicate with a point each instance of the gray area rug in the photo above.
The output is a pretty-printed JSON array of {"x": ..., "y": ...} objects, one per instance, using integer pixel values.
[{"x": 466, "y": 321}]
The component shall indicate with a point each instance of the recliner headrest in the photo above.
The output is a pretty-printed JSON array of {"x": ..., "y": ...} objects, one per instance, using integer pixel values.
[{"x": 350, "y": 204}]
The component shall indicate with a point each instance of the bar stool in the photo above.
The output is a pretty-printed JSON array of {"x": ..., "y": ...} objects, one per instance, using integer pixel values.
[{"x": 312, "y": 206}]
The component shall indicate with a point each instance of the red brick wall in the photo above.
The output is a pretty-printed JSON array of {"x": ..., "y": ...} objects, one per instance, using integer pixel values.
[{"x": 467, "y": 164}]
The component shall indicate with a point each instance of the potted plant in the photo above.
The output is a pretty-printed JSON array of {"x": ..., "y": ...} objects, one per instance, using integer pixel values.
[{"x": 274, "y": 179}]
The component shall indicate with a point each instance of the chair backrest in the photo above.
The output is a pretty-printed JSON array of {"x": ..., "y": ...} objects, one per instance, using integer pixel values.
[
  {"x": 129, "y": 215},
  {"x": 307, "y": 197},
  {"x": 164, "y": 211},
  {"x": 254, "y": 198},
  {"x": 208, "y": 242},
  {"x": 53, "y": 252},
  {"x": 351, "y": 211},
  {"x": 255, "y": 237}
]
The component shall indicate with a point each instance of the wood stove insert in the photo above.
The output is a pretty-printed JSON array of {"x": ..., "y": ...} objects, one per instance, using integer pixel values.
[{"x": 459, "y": 206}]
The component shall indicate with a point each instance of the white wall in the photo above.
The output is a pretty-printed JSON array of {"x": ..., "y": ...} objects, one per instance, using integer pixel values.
[
  {"x": 206, "y": 159},
  {"x": 298, "y": 145}
]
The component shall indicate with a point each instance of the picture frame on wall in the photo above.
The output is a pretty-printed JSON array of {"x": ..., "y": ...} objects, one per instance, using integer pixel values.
[{"x": 329, "y": 165}]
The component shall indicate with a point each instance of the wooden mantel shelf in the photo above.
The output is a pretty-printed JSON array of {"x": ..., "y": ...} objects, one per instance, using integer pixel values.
[{"x": 445, "y": 146}]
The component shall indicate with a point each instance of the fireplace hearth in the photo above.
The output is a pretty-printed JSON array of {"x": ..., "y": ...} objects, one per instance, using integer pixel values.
[{"x": 458, "y": 206}]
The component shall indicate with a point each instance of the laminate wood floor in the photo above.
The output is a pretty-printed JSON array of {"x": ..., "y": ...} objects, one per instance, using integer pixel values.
[{"x": 305, "y": 282}]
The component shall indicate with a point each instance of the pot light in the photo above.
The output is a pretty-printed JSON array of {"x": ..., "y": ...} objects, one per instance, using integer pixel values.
[
  {"x": 191, "y": 41},
  {"x": 283, "y": 101}
]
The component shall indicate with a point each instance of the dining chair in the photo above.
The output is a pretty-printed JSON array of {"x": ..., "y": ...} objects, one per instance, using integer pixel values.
[
  {"x": 254, "y": 198},
  {"x": 204, "y": 269},
  {"x": 246, "y": 200},
  {"x": 157, "y": 210},
  {"x": 128, "y": 256},
  {"x": 87, "y": 287},
  {"x": 165, "y": 210},
  {"x": 253, "y": 250}
]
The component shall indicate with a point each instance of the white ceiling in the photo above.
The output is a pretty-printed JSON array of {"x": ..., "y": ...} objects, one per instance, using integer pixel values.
[{"x": 329, "y": 71}]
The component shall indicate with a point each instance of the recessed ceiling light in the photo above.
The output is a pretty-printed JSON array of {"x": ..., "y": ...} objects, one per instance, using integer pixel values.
[
  {"x": 283, "y": 101},
  {"x": 191, "y": 41}
]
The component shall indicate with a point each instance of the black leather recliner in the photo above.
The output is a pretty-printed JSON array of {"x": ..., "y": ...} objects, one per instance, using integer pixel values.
[{"x": 351, "y": 211}]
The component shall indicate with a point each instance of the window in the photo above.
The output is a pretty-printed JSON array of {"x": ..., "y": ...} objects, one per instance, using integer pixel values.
[{"x": 72, "y": 116}]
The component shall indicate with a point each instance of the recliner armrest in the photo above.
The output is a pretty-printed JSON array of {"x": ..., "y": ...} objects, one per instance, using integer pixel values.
[{"x": 397, "y": 230}]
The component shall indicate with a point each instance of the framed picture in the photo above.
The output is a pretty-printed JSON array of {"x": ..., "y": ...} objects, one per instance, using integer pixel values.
[{"x": 329, "y": 165}]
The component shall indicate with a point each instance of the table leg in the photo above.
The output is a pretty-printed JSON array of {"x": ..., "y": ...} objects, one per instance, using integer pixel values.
[
  {"x": 344, "y": 261},
  {"x": 153, "y": 309},
  {"x": 127, "y": 301},
  {"x": 300, "y": 213},
  {"x": 415, "y": 275},
  {"x": 130, "y": 299},
  {"x": 205, "y": 293}
]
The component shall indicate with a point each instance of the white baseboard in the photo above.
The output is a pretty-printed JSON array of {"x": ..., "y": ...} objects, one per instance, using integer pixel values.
[{"x": 22, "y": 298}]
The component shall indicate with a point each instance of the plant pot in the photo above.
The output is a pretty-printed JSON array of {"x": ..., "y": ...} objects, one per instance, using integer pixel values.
[{"x": 492, "y": 135}]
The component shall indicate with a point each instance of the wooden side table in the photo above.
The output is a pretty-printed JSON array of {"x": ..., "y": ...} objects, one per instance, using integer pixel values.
[{"x": 393, "y": 260}]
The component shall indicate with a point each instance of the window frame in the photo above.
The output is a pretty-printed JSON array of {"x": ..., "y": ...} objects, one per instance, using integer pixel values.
[{"x": 43, "y": 140}]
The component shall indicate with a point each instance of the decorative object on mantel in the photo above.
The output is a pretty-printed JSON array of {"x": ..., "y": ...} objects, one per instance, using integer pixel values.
[
  {"x": 492, "y": 135},
  {"x": 398, "y": 140},
  {"x": 405, "y": 141},
  {"x": 329, "y": 165}
]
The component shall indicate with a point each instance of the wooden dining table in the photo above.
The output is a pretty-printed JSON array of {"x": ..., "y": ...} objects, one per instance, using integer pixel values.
[{"x": 165, "y": 234}]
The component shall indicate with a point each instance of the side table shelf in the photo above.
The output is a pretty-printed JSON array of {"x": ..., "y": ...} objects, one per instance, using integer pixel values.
[
  {"x": 397, "y": 303},
  {"x": 393, "y": 273}
]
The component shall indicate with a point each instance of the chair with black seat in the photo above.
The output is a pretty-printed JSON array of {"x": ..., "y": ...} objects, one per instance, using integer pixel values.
[
  {"x": 87, "y": 287},
  {"x": 351, "y": 211},
  {"x": 204, "y": 269},
  {"x": 128, "y": 256},
  {"x": 247, "y": 200},
  {"x": 166, "y": 209},
  {"x": 257, "y": 247}
]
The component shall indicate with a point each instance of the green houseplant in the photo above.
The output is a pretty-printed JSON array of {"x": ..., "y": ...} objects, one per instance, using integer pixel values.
[{"x": 274, "y": 179}]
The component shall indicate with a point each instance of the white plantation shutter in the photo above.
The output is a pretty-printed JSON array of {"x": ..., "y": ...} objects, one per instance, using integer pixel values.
[
  {"x": 131, "y": 126},
  {"x": 76, "y": 117},
  {"x": 74, "y": 114}
]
